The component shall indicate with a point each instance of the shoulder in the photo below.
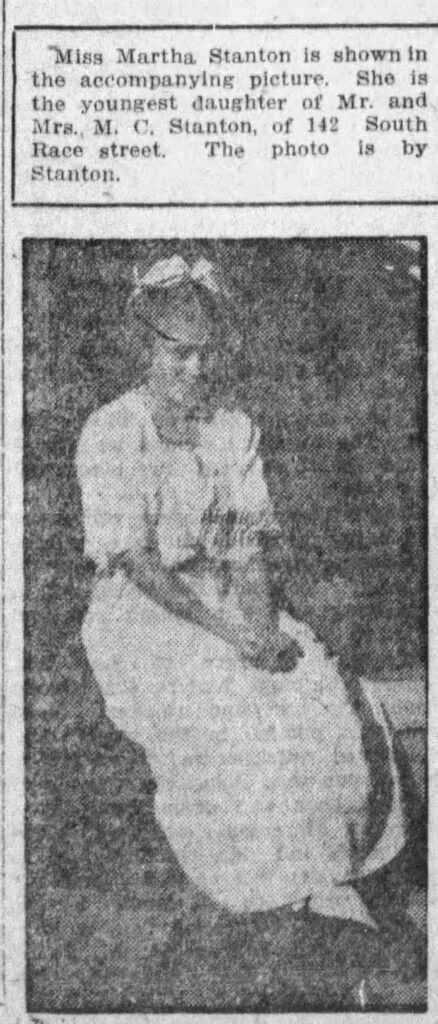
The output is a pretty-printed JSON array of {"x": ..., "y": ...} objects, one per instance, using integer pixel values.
[{"x": 109, "y": 427}]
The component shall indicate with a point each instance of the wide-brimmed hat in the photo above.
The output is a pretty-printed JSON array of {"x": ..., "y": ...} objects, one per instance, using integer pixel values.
[{"x": 178, "y": 301}]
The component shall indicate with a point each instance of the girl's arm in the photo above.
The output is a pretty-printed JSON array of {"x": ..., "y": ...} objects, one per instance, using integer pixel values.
[
  {"x": 274, "y": 650},
  {"x": 250, "y": 580},
  {"x": 165, "y": 586}
]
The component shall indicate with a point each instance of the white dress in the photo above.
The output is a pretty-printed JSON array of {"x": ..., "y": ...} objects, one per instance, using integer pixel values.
[{"x": 257, "y": 773}]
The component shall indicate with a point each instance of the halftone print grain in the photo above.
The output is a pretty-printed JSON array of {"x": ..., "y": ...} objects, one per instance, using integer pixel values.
[{"x": 225, "y": 559}]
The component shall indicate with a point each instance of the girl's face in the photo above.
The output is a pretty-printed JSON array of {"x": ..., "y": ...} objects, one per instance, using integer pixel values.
[{"x": 176, "y": 369}]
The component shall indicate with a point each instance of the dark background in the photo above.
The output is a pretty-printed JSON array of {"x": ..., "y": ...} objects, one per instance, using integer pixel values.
[{"x": 333, "y": 368}]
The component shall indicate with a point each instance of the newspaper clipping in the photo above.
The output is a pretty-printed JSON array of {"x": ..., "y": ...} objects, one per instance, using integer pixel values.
[{"x": 219, "y": 280}]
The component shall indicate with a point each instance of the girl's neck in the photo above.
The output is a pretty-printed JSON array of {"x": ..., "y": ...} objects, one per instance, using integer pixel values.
[{"x": 174, "y": 423}]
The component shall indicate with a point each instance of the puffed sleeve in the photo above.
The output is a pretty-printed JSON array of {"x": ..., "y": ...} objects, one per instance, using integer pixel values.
[
  {"x": 107, "y": 462},
  {"x": 243, "y": 506}
]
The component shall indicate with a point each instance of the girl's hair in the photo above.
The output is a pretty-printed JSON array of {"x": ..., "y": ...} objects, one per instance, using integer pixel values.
[
  {"x": 146, "y": 313},
  {"x": 151, "y": 304}
]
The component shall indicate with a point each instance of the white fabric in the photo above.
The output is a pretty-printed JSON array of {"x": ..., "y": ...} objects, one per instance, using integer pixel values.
[
  {"x": 258, "y": 774},
  {"x": 129, "y": 480},
  {"x": 167, "y": 273}
]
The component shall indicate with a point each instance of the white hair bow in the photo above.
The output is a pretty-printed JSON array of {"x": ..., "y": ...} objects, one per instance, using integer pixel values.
[{"x": 173, "y": 271}]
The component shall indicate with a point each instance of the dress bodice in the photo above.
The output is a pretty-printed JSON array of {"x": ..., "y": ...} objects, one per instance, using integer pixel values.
[{"x": 212, "y": 496}]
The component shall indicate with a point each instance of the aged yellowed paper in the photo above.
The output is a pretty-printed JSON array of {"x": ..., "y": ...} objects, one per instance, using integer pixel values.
[{"x": 219, "y": 274}]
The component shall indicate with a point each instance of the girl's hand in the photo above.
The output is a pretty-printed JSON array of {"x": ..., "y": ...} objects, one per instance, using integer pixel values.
[
  {"x": 274, "y": 652},
  {"x": 288, "y": 656},
  {"x": 247, "y": 645},
  {"x": 279, "y": 653}
]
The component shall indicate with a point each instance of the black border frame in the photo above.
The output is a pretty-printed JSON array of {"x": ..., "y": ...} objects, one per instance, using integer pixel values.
[{"x": 168, "y": 1013}]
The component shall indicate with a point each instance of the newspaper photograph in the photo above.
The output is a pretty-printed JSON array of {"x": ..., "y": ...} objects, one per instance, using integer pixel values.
[{"x": 219, "y": 274}]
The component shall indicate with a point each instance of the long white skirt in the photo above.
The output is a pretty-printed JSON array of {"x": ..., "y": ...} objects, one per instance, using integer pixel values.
[{"x": 258, "y": 774}]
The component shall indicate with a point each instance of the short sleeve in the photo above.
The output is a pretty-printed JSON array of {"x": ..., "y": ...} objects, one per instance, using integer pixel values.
[
  {"x": 243, "y": 498},
  {"x": 107, "y": 463}
]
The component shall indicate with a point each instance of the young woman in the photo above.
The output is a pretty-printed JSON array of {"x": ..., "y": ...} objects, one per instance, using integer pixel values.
[{"x": 264, "y": 789}]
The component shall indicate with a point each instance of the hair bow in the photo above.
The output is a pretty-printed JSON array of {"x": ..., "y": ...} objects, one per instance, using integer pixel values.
[{"x": 173, "y": 271}]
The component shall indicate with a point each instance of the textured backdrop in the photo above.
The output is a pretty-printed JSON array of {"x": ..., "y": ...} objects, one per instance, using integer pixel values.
[{"x": 333, "y": 368}]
